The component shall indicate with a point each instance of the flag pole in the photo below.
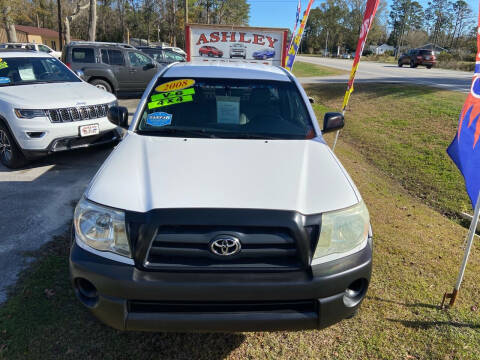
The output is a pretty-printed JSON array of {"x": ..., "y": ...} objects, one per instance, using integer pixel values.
[{"x": 471, "y": 235}]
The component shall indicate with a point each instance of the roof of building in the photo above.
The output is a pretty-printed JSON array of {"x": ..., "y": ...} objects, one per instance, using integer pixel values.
[
  {"x": 229, "y": 70},
  {"x": 32, "y": 30}
]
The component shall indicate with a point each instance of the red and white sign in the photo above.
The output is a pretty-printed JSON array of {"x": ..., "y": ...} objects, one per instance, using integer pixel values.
[
  {"x": 89, "y": 130},
  {"x": 236, "y": 44}
]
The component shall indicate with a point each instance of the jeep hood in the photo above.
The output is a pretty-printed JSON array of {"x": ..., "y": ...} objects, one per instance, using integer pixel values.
[
  {"x": 145, "y": 173},
  {"x": 54, "y": 95}
]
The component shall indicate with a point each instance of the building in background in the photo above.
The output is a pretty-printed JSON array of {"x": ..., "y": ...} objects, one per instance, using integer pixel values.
[{"x": 33, "y": 34}]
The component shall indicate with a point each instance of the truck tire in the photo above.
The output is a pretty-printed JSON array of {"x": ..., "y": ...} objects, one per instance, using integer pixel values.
[
  {"x": 412, "y": 64},
  {"x": 10, "y": 154},
  {"x": 400, "y": 64},
  {"x": 101, "y": 84},
  {"x": 429, "y": 66}
]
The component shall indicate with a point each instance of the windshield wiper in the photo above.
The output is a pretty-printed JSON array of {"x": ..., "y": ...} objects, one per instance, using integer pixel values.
[
  {"x": 177, "y": 131},
  {"x": 253, "y": 136}
]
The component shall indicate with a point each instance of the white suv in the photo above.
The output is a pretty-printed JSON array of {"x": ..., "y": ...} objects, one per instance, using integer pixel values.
[
  {"x": 45, "y": 107},
  {"x": 34, "y": 47},
  {"x": 223, "y": 209}
]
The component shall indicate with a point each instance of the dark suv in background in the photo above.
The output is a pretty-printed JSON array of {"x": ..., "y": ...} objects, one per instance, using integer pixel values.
[
  {"x": 116, "y": 68},
  {"x": 162, "y": 56},
  {"x": 417, "y": 57}
]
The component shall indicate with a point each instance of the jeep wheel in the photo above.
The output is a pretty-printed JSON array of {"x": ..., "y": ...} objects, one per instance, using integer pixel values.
[
  {"x": 10, "y": 154},
  {"x": 101, "y": 84}
]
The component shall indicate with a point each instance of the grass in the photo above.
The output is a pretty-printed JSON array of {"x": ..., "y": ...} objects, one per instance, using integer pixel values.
[
  {"x": 417, "y": 254},
  {"x": 303, "y": 69},
  {"x": 404, "y": 131}
]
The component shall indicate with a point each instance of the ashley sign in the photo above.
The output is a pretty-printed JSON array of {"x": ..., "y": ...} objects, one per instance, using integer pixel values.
[
  {"x": 235, "y": 44},
  {"x": 233, "y": 36}
]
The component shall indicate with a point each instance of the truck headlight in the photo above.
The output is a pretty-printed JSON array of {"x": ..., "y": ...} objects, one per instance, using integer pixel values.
[
  {"x": 101, "y": 228},
  {"x": 343, "y": 232},
  {"x": 29, "y": 113}
]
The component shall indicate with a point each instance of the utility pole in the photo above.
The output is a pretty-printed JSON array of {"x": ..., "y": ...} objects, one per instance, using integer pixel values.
[
  {"x": 326, "y": 45},
  {"x": 60, "y": 17},
  {"x": 186, "y": 12}
]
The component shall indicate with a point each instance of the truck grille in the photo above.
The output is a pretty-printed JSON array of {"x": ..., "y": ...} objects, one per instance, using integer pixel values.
[
  {"x": 187, "y": 248},
  {"x": 77, "y": 113}
]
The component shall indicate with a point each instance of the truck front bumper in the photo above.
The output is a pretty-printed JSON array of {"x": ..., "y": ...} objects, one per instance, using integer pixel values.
[{"x": 127, "y": 298}]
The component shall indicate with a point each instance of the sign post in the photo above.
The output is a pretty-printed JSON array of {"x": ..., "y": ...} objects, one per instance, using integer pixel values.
[{"x": 471, "y": 234}]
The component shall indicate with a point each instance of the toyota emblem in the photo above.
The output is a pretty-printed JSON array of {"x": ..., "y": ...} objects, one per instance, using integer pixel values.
[{"x": 225, "y": 245}]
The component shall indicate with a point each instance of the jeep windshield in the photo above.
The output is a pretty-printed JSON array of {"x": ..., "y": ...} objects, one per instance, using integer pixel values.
[
  {"x": 225, "y": 108},
  {"x": 33, "y": 70}
]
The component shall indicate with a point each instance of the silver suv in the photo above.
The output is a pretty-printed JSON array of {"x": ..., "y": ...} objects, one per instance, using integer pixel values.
[{"x": 238, "y": 50}]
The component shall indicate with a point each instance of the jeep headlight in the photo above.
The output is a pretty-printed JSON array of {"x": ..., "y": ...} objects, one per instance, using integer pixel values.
[
  {"x": 343, "y": 232},
  {"x": 101, "y": 228}
]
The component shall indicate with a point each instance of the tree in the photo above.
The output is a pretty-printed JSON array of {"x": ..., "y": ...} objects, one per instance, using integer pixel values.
[
  {"x": 405, "y": 16},
  {"x": 92, "y": 20}
]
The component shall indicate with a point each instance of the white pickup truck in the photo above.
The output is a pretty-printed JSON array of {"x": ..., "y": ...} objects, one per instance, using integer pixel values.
[{"x": 223, "y": 209}]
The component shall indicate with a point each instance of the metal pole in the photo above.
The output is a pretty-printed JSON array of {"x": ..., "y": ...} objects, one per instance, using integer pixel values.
[
  {"x": 337, "y": 133},
  {"x": 326, "y": 45},
  {"x": 186, "y": 12},
  {"x": 470, "y": 237}
]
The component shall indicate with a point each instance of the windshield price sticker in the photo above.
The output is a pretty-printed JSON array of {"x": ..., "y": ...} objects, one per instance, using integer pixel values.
[
  {"x": 175, "y": 85},
  {"x": 3, "y": 64},
  {"x": 171, "y": 98},
  {"x": 165, "y": 95},
  {"x": 159, "y": 119}
]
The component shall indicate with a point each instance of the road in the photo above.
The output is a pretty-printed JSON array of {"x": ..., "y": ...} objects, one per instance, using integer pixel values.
[
  {"x": 37, "y": 203},
  {"x": 369, "y": 71}
]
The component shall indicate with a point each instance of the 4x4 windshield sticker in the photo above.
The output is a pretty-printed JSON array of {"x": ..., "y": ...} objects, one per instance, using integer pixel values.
[
  {"x": 159, "y": 119},
  {"x": 3, "y": 64},
  {"x": 171, "y": 98},
  {"x": 175, "y": 85},
  {"x": 4, "y": 80}
]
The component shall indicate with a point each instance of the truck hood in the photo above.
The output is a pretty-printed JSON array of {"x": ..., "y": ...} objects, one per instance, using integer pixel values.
[
  {"x": 145, "y": 173},
  {"x": 54, "y": 95}
]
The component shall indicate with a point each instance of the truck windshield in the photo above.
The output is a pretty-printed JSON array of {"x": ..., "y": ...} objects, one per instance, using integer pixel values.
[
  {"x": 225, "y": 108},
  {"x": 33, "y": 70}
]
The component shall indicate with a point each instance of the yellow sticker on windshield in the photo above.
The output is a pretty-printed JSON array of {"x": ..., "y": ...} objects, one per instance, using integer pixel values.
[
  {"x": 175, "y": 85},
  {"x": 3, "y": 64}
]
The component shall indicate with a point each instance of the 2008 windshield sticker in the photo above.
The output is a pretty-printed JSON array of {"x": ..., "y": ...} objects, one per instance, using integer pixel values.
[
  {"x": 3, "y": 64},
  {"x": 159, "y": 119},
  {"x": 175, "y": 85},
  {"x": 171, "y": 98}
]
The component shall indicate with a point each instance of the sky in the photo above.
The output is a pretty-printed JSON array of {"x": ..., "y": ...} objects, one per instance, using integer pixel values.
[{"x": 281, "y": 13}]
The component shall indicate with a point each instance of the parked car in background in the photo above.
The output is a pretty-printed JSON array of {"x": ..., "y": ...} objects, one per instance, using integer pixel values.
[
  {"x": 165, "y": 239},
  {"x": 161, "y": 55},
  {"x": 417, "y": 57},
  {"x": 175, "y": 49},
  {"x": 32, "y": 46},
  {"x": 346, "y": 56},
  {"x": 210, "y": 51},
  {"x": 263, "y": 54},
  {"x": 45, "y": 108},
  {"x": 113, "y": 67},
  {"x": 238, "y": 50}
]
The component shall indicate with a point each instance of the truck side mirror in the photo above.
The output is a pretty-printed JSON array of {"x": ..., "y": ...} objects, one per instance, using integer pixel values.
[
  {"x": 333, "y": 121},
  {"x": 118, "y": 115}
]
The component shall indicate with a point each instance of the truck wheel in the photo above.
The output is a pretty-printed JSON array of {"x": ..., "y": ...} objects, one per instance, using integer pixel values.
[
  {"x": 400, "y": 64},
  {"x": 10, "y": 154},
  {"x": 412, "y": 64},
  {"x": 101, "y": 84},
  {"x": 429, "y": 66}
]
